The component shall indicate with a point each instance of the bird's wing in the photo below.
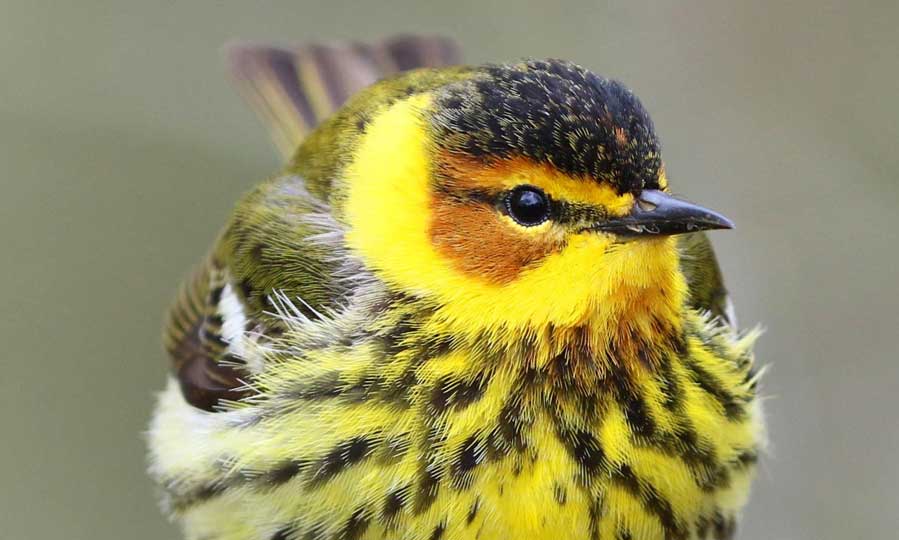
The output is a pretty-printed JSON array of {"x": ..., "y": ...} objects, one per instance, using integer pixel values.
[
  {"x": 193, "y": 336},
  {"x": 706, "y": 285},
  {"x": 267, "y": 252},
  {"x": 294, "y": 89},
  {"x": 281, "y": 246}
]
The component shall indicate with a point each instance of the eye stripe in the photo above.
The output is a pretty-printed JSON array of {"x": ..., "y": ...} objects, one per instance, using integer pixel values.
[
  {"x": 562, "y": 212},
  {"x": 579, "y": 214},
  {"x": 468, "y": 195}
]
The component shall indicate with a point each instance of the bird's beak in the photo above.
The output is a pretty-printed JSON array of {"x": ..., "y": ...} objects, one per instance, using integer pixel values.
[{"x": 655, "y": 213}]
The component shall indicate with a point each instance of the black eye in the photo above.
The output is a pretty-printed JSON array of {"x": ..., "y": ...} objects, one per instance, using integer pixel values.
[{"x": 528, "y": 205}]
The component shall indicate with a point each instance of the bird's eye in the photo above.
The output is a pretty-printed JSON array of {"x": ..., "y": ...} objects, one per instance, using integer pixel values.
[{"x": 528, "y": 205}]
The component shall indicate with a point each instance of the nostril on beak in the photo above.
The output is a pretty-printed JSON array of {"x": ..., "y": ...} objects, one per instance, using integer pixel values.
[{"x": 646, "y": 205}]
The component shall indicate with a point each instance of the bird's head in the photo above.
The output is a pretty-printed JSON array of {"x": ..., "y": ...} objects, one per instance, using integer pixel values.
[{"x": 524, "y": 196}]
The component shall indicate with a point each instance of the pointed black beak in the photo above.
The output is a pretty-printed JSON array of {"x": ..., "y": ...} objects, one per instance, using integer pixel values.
[{"x": 655, "y": 213}]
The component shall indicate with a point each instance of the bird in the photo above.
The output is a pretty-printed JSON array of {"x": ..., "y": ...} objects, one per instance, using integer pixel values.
[{"x": 468, "y": 307}]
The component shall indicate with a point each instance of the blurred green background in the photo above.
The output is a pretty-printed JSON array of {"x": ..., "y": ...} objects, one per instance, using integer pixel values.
[{"x": 122, "y": 148}]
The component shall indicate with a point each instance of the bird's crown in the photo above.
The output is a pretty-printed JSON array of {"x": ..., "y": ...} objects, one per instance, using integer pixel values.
[{"x": 553, "y": 112}]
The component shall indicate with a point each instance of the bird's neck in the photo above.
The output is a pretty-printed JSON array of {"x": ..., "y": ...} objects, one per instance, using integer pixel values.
[
  {"x": 632, "y": 327},
  {"x": 633, "y": 332}
]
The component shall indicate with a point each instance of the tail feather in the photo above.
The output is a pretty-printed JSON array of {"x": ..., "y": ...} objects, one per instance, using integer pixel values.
[{"x": 294, "y": 89}]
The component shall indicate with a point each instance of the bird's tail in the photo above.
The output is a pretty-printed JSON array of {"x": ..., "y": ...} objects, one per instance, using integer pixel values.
[{"x": 293, "y": 89}]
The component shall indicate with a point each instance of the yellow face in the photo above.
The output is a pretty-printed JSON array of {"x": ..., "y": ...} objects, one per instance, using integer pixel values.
[{"x": 487, "y": 268}]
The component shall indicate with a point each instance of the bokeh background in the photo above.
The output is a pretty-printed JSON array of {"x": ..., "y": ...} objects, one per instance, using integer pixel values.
[{"x": 122, "y": 148}]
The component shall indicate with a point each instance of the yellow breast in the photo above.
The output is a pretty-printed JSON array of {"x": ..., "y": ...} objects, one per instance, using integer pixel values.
[{"x": 427, "y": 447}]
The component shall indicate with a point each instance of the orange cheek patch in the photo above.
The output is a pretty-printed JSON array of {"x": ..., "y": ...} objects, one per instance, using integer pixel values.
[{"x": 477, "y": 242}]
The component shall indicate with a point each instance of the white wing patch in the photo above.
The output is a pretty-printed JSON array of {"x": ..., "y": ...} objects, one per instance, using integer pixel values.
[
  {"x": 730, "y": 312},
  {"x": 234, "y": 331}
]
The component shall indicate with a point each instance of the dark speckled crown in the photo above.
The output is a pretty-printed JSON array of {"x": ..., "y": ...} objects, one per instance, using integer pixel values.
[{"x": 555, "y": 112}]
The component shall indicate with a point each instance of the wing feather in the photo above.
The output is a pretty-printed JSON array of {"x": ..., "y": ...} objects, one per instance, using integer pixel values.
[{"x": 704, "y": 279}]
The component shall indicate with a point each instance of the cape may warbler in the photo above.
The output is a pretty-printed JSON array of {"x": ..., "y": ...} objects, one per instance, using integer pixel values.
[{"x": 465, "y": 309}]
